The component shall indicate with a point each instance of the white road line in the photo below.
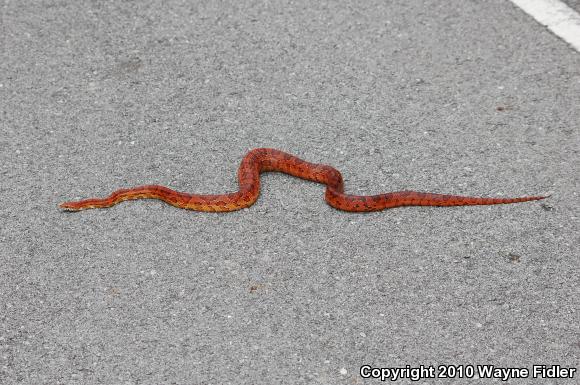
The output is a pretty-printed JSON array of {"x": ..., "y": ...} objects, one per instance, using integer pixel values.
[{"x": 557, "y": 16}]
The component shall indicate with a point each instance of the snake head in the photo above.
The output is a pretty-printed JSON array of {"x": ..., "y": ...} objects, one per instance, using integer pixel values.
[{"x": 70, "y": 206}]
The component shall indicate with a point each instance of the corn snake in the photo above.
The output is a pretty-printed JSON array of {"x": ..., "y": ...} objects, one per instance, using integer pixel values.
[{"x": 265, "y": 159}]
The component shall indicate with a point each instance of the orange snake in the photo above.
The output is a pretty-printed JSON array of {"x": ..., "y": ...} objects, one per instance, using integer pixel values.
[{"x": 266, "y": 159}]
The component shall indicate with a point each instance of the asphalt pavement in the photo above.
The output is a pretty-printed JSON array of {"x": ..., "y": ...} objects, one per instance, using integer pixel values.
[
  {"x": 460, "y": 97},
  {"x": 574, "y": 4}
]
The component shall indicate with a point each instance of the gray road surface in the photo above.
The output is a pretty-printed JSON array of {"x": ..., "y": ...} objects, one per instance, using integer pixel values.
[
  {"x": 574, "y": 4},
  {"x": 460, "y": 97}
]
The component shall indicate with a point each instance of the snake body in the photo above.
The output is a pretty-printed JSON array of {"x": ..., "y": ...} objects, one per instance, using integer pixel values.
[{"x": 266, "y": 159}]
